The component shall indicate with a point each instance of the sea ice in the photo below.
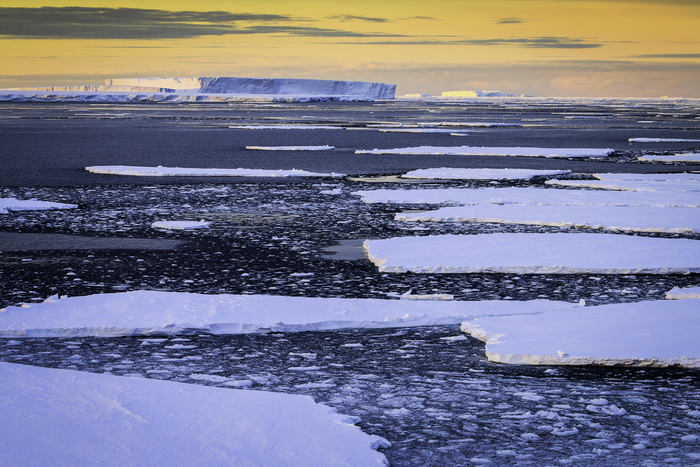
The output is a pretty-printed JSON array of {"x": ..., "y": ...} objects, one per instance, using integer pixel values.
[
  {"x": 662, "y": 140},
  {"x": 423, "y": 130},
  {"x": 658, "y": 177},
  {"x": 191, "y": 172},
  {"x": 150, "y": 312},
  {"x": 653, "y": 333},
  {"x": 13, "y": 204},
  {"x": 687, "y": 292},
  {"x": 692, "y": 186},
  {"x": 285, "y": 127},
  {"x": 687, "y": 158},
  {"x": 69, "y": 418},
  {"x": 516, "y": 195},
  {"x": 565, "y": 253},
  {"x": 445, "y": 173},
  {"x": 180, "y": 225},
  {"x": 493, "y": 151},
  {"x": 632, "y": 219},
  {"x": 291, "y": 148}
]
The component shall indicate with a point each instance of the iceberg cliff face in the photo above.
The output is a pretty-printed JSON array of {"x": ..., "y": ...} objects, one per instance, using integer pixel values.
[{"x": 265, "y": 86}]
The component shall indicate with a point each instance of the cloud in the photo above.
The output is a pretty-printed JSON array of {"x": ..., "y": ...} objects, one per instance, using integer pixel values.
[
  {"x": 667, "y": 56},
  {"x": 531, "y": 42},
  {"x": 359, "y": 18},
  {"x": 135, "y": 23},
  {"x": 509, "y": 21}
]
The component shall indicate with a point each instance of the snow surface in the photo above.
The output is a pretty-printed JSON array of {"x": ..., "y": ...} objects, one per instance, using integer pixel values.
[
  {"x": 286, "y": 127},
  {"x": 662, "y": 140},
  {"x": 13, "y": 204},
  {"x": 278, "y": 86},
  {"x": 151, "y": 312},
  {"x": 689, "y": 158},
  {"x": 687, "y": 292},
  {"x": 191, "y": 172},
  {"x": 180, "y": 225},
  {"x": 631, "y": 219},
  {"x": 291, "y": 148},
  {"x": 633, "y": 185},
  {"x": 516, "y": 195},
  {"x": 481, "y": 174},
  {"x": 549, "y": 253},
  {"x": 71, "y": 418},
  {"x": 653, "y": 333},
  {"x": 493, "y": 151}
]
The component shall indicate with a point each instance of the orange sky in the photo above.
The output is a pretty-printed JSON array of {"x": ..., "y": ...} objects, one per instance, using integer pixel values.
[{"x": 577, "y": 48}]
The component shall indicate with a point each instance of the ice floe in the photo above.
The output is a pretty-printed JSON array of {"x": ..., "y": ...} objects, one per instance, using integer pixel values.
[
  {"x": 291, "y": 148},
  {"x": 687, "y": 158},
  {"x": 633, "y": 185},
  {"x": 151, "y": 312},
  {"x": 663, "y": 140},
  {"x": 192, "y": 172},
  {"x": 653, "y": 333},
  {"x": 66, "y": 417},
  {"x": 285, "y": 127},
  {"x": 423, "y": 130},
  {"x": 631, "y": 219},
  {"x": 493, "y": 151},
  {"x": 517, "y": 195},
  {"x": 677, "y": 293},
  {"x": 13, "y": 204},
  {"x": 655, "y": 177},
  {"x": 180, "y": 225},
  {"x": 555, "y": 253},
  {"x": 481, "y": 174}
]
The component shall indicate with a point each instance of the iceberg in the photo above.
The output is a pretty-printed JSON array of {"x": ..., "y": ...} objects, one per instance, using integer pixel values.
[
  {"x": 480, "y": 94},
  {"x": 69, "y": 418},
  {"x": 517, "y": 253},
  {"x": 652, "y": 333}
]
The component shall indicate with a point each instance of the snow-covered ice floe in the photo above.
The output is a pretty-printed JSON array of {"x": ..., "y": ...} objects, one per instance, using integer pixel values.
[
  {"x": 493, "y": 151},
  {"x": 424, "y": 130},
  {"x": 688, "y": 158},
  {"x": 291, "y": 148},
  {"x": 631, "y": 219},
  {"x": 285, "y": 127},
  {"x": 192, "y": 172},
  {"x": 653, "y": 333},
  {"x": 555, "y": 253},
  {"x": 13, "y": 204},
  {"x": 151, "y": 312},
  {"x": 663, "y": 140},
  {"x": 677, "y": 293},
  {"x": 517, "y": 195},
  {"x": 655, "y": 177},
  {"x": 180, "y": 225},
  {"x": 71, "y": 418},
  {"x": 633, "y": 185},
  {"x": 445, "y": 173}
]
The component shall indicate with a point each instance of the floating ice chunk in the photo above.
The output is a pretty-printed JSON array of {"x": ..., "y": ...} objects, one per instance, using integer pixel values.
[
  {"x": 662, "y": 140},
  {"x": 481, "y": 174},
  {"x": 515, "y": 195},
  {"x": 569, "y": 253},
  {"x": 631, "y": 219},
  {"x": 434, "y": 296},
  {"x": 191, "y": 172},
  {"x": 529, "y": 396},
  {"x": 291, "y": 148},
  {"x": 286, "y": 127},
  {"x": 64, "y": 417},
  {"x": 13, "y": 204},
  {"x": 654, "y": 333},
  {"x": 688, "y": 158},
  {"x": 424, "y": 130},
  {"x": 659, "y": 177},
  {"x": 688, "y": 292},
  {"x": 692, "y": 186},
  {"x": 180, "y": 225},
  {"x": 493, "y": 151},
  {"x": 152, "y": 313}
]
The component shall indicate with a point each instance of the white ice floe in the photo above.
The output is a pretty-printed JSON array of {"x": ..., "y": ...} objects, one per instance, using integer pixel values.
[
  {"x": 633, "y": 185},
  {"x": 677, "y": 293},
  {"x": 631, "y": 219},
  {"x": 423, "y": 130},
  {"x": 70, "y": 418},
  {"x": 689, "y": 158},
  {"x": 13, "y": 204},
  {"x": 445, "y": 173},
  {"x": 150, "y": 312},
  {"x": 291, "y": 148},
  {"x": 662, "y": 140},
  {"x": 556, "y": 253},
  {"x": 653, "y": 333},
  {"x": 433, "y": 296},
  {"x": 493, "y": 151},
  {"x": 286, "y": 127},
  {"x": 192, "y": 172},
  {"x": 180, "y": 225},
  {"x": 656, "y": 177},
  {"x": 516, "y": 195}
]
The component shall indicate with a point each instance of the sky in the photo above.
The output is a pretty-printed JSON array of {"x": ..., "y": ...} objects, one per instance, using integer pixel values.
[{"x": 556, "y": 48}]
